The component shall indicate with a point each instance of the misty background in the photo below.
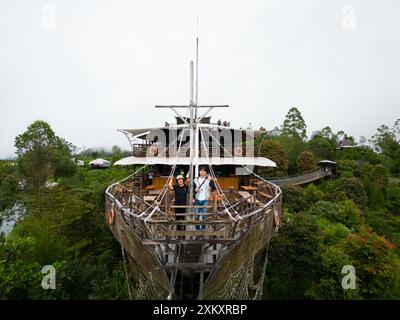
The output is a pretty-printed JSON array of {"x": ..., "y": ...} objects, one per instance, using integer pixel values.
[{"x": 91, "y": 67}]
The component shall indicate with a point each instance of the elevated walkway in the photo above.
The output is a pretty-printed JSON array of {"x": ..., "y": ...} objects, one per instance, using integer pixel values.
[{"x": 304, "y": 178}]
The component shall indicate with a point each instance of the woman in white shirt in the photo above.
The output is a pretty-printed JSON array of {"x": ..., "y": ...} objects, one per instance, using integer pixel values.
[{"x": 203, "y": 186}]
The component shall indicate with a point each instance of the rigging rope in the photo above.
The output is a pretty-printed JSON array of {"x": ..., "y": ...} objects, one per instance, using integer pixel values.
[
  {"x": 165, "y": 189},
  {"x": 251, "y": 172},
  {"x": 217, "y": 184},
  {"x": 175, "y": 272}
]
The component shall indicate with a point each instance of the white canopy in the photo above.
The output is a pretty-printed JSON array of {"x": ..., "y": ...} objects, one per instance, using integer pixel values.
[
  {"x": 100, "y": 163},
  {"x": 216, "y": 161}
]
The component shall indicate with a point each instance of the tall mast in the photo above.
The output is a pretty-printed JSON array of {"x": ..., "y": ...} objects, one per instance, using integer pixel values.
[
  {"x": 191, "y": 125},
  {"x": 197, "y": 74},
  {"x": 196, "y": 137},
  {"x": 195, "y": 119}
]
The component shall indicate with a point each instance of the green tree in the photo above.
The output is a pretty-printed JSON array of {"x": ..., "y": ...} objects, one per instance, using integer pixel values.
[
  {"x": 380, "y": 177},
  {"x": 294, "y": 125},
  {"x": 306, "y": 161},
  {"x": 312, "y": 195},
  {"x": 272, "y": 150},
  {"x": 8, "y": 185},
  {"x": 385, "y": 224},
  {"x": 376, "y": 181},
  {"x": 35, "y": 154},
  {"x": 377, "y": 267},
  {"x": 349, "y": 214},
  {"x": 385, "y": 141},
  {"x": 344, "y": 212},
  {"x": 292, "y": 146},
  {"x": 63, "y": 164},
  {"x": 324, "y": 209},
  {"x": 393, "y": 199},
  {"x": 353, "y": 189},
  {"x": 94, "y": 154},
  {"x": 322, "y": 148},
  {"x": 323, "y": 144},
  {"x": 21, "y": 276},
  {"x": 41, "y": 155},
  {"x": 328, "y": 284},
  {"x": 332, "y": 232},
  {"x": 327, "y": 134},
  {"x": 346, "y": 168},
  {"x": 116, "y": 153},
  {"x": 294, "y": 258},
  {"x": 341, "y": 135},
  {"x": 293, "y": 198},
  {"x": 364, "y": 154}
]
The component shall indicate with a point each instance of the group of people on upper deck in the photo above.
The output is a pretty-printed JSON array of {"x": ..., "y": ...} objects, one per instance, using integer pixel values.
[{"x": 225, "y": 123}]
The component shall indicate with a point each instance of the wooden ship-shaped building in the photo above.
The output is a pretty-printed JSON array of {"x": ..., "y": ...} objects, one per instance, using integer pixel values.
[{"x": 168, "y": 257}]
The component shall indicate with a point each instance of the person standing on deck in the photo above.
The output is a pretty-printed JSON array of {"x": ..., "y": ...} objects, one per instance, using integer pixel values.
[
  {"x": 203, "y": 185},
  {"x": 181, "y": 190}
]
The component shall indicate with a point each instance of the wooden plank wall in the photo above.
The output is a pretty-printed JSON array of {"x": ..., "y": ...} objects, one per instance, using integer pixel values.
[
  {"x": 225, "y": 182},
  {"x": 159, "y": 182}
]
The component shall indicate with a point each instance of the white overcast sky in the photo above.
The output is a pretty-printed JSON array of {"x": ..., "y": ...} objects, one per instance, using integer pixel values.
[{"x": 91, "y": 67}]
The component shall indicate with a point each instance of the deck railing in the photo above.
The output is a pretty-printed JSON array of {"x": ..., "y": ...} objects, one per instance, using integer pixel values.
[
  {"x": 146, "y": 150},
  {"x": 225, "y": 220},
  {"x": 159, "y": 228}
]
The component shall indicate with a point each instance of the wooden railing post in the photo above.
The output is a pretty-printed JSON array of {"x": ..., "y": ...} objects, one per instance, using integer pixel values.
[
  {"x": 167, "y": 204},
  {"x": 215, "y": 203}
]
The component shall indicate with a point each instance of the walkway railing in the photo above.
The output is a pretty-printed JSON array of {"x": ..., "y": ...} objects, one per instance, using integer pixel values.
[{"x": 302, "y": 179}]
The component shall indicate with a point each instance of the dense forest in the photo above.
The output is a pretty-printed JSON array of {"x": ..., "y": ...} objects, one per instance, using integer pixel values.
[{"x": 351, "y": 219}]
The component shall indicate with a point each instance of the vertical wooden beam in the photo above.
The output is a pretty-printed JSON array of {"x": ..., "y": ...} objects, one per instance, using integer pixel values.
[{"x": 215, "y": 203}]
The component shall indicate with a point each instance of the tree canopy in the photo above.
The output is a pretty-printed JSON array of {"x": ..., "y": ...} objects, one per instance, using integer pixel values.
[
  {"x": 273, "y": 151},
  {"x": 43, "y": 155},
  {"x": 294, "y": 124},
  {"x": 306, "y": 161}
]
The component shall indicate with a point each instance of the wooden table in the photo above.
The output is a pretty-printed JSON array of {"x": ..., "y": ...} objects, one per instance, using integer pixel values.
[
  {"x": 149, "y": 198},
  {"x": 248, "y": 188},
  {"x": 154, "y": 192},
  {"x": 150, "y": 187},
  {"x": 246, "y": 193}
]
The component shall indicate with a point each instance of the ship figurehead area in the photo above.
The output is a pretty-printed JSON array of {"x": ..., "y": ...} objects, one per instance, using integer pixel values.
[{"x": 217, "y": 250}]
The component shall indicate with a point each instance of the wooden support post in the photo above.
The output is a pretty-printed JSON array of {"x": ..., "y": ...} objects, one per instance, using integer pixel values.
[
  {"x": 215, "y": 203},
  {"x": 214, "y": 246},
  {"x": 167, "y": 204},
  {"x": 200, "y": 297},
  {"x": 201, "y": 286}
]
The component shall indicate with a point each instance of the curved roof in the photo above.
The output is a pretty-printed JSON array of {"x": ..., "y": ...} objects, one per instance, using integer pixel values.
[
  {"x": 216, "y": 161},
  {"x": 327, "y": 161}
]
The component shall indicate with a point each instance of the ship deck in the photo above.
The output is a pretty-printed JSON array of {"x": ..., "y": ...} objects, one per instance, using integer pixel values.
[{"x": 231, "y": 214}]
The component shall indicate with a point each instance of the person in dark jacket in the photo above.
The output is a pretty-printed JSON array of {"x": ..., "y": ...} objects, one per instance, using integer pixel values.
[{"x": 181, "y": 190}]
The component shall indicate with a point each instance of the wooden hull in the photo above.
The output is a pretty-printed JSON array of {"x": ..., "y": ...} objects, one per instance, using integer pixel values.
[{"x": 231, "y": 276}]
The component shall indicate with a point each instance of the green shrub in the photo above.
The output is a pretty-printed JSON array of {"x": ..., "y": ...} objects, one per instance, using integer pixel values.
[
  {"x": 393, "y": 199},
  {"x": 332, "y": 232},
  {"x": 312, "y": 195},
  {"x": 293, "y": 198},
  {"x": 346, "y": 168},
  {"x": 377, "y": 267},
  {"x": 306, "y": 161},
  {"x": 353, "y": 189}
]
